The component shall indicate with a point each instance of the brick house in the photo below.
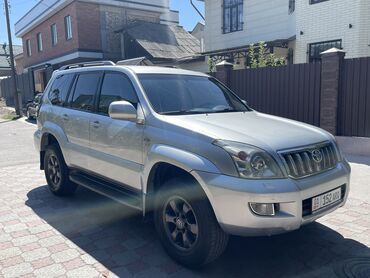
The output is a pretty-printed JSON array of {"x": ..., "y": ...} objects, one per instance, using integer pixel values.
[
  {"x": 59, "y": 32},
  {"x": 5, "y": 69}
]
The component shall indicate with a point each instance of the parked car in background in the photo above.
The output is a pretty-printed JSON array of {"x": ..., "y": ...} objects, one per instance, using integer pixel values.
[
  {"x": 33, "y": 106},
  {"x": 182, "y": 145}
]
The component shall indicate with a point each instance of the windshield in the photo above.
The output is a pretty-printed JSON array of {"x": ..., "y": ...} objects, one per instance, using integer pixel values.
[{"x": 172, "y": 94}]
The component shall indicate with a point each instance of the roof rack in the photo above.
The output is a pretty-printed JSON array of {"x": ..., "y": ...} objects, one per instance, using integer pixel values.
[
  {"x": 88, "y": 64},
  {"x": 140, "y": 61}
]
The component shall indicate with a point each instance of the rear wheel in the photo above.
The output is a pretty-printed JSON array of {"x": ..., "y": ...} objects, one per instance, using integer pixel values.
[
  {"x": 56, "y": 172},
  {"x": 186, "y": 224}
]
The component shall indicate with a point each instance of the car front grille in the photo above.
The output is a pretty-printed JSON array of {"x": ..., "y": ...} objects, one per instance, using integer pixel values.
[{"x": 310, "y": 161}]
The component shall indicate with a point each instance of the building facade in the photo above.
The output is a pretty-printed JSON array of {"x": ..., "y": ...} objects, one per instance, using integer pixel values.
[
  {"x": 59, "y": 32},
  {"x": 296, "y": 29},
  {"x": 332, "y": 23}
]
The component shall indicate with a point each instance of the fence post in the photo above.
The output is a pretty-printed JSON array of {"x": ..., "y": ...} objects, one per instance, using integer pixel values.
[
  {"x": 223, "y": 72},
  {"x": 331, "y": 68}
]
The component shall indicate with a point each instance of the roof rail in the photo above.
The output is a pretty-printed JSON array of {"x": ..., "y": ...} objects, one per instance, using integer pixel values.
[{"x": 88, "y": 64}]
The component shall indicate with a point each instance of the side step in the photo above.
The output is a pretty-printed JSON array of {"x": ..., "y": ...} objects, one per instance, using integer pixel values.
[{"x": 115, "y": 192}]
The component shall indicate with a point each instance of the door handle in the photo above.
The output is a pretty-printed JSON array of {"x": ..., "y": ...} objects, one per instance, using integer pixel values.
[
  {"x": 96, "y": 124},
  {"x": 65, "y": 117}
]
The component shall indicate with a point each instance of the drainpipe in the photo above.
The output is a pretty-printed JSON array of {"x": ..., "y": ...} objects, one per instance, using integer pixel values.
[{"x": 198, "y": 11}]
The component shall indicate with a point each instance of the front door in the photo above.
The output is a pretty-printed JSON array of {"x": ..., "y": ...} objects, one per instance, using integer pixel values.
[{"x": 116, "y": 145}]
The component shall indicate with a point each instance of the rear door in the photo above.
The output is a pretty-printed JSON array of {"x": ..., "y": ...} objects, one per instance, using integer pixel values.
[
  {"x": 77, "y": 117},
  {"x": 116, "y": 145}
]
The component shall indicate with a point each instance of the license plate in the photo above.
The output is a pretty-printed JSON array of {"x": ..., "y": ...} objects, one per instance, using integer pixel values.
[{"x": 326, "y": 199}]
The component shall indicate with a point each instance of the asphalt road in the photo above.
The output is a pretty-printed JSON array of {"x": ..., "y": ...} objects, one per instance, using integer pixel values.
[
  {"x": 16, "y": 145},
  {"x": 90, "y": 236}
]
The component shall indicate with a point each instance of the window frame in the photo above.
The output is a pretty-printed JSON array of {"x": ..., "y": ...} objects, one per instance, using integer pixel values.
[
  {"x": 29, "y": 48},
  {"x": 313, "y": 2},
  {"x": 69, "y": 90},
  {"x": 311, "y": 59},
  {"x": 54, "y": 34},
  {"x": 239, "y": 19},
  {"x": 40, "y": 46},
  {"x": 72, "y": 91},
  {"x": 292, "y": 6},
  {"x": 101, "y": 87},
  {"x": 68, "y": 27}
]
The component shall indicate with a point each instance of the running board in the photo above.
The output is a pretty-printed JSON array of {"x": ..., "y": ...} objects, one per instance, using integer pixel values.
[{"x": 115, "y": 192}]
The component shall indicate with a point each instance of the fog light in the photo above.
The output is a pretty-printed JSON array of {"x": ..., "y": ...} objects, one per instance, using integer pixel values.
[{"x": 263, "y": 209}]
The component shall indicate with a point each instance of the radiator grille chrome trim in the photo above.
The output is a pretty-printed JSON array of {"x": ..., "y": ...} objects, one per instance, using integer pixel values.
[{"x": 310, "y": 160}]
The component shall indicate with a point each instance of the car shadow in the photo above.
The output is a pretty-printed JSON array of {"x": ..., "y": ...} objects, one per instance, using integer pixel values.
[
  {"x": 31, "y": 121},
  {"x": 118, "y": 238}
]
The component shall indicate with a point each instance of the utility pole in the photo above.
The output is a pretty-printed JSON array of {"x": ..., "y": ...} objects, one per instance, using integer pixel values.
[{"x": 18, "y": 109}]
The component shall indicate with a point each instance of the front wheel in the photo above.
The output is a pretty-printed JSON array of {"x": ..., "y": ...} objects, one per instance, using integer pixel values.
[
  {"x": 56, "y": 172},
  {"x": 186, "y": 224}
]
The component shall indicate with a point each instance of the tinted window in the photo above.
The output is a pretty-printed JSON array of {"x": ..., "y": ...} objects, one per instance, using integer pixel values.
[
  {"x": 86, "y": 86},
  {"x": 115, "y": 87},
  {"x": 182, "y": 94},
  {"x": 60, "y": 88}
]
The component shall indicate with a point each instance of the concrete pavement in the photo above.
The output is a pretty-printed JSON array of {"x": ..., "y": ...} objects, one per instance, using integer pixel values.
[{"x": 90, "y": 236}]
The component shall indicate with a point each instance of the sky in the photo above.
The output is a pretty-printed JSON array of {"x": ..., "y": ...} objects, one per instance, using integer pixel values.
[{"x": 188, "y": 16}]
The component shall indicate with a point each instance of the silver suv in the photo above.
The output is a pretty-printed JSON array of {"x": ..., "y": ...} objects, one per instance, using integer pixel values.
[{"x": 183, "y": 146}]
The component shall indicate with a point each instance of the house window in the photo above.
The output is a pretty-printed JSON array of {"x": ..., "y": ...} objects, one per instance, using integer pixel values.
[
  {"x": 29, "y": 49},
  {"x": 68, "y": 27},
  {"x": 233, "y": 16},
  {"x": 291, "y": 6},
  {"x": 314, "y": 49},
  {"x": 39, "y": 42},
  {"x": 316, "y": 1},
  {"x": 54, "y": 35}
]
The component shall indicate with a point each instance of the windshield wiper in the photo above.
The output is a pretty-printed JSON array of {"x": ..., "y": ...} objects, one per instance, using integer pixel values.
[
  {"x": 183, "y": 112},
  {"x": 225, "y": 110}
]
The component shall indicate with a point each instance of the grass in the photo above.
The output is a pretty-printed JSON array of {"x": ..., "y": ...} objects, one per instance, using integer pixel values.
[{"x": 10, "y": 117}]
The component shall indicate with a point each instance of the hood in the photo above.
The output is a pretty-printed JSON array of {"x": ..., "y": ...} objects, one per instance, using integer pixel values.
[{"x": 261, "y": 130}]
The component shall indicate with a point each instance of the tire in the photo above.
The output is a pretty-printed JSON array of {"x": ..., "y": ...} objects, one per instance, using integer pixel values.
[
  {"x": 56, "y": 173},
  {"x": 194, "y": 246}
]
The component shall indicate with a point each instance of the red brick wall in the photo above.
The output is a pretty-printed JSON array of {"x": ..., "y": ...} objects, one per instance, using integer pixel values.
[
  {"x": 85, "y": 30},
  {"x": 88, "y": 21}
]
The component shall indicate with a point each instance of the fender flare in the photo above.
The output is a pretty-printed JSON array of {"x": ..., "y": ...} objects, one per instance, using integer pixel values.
[
  {"x": 184, "y": 160},
  {"x": 58, "y": 133}
]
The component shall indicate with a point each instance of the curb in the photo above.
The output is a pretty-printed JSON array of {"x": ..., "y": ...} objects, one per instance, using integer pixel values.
[{"x": 354, "y": 145}]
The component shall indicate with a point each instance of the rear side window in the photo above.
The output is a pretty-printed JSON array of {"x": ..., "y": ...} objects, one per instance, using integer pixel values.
[
  {"x": 85, "y": 89},
  {"x": 60, "y": 88},
  {"x": 116, "y": 87}
]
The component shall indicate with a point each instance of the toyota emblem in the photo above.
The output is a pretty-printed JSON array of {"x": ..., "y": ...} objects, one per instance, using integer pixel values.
[{"x": 317, "y": 156}]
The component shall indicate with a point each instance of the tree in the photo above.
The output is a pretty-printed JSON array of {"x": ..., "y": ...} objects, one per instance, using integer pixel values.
[{"x": 259, "y": 56}]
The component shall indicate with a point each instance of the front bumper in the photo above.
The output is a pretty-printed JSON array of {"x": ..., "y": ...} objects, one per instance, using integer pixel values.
[
  {"x": 37, "y": 140},
  {"x": 230, "y": 198}
]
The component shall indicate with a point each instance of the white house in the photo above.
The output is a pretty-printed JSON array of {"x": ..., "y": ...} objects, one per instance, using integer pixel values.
[
  {"x": 322, "y": 24},
  {"x": 296, "y": 29}
]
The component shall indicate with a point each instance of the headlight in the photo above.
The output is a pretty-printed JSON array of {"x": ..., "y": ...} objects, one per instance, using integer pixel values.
[
  {"x": 340, "y": 154},
  {"x": 251, "y": 162}
]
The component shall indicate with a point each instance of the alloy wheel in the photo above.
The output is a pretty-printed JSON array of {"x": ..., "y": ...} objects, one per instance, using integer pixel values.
[
  {"x": 54, "y": 171},
  {"x": 180, "y": 223}
]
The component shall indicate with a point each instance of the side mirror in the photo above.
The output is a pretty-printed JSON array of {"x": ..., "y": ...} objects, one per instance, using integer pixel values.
[{"x": 122, "y": 110}]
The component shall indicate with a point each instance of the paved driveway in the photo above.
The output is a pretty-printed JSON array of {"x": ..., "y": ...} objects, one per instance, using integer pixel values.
[{"x": 90, "y": 236}]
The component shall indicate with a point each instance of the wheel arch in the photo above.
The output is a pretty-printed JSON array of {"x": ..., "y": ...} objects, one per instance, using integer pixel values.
[
  {"x": 51, "y": 134},
  {"x": 165, "y": 163}
]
